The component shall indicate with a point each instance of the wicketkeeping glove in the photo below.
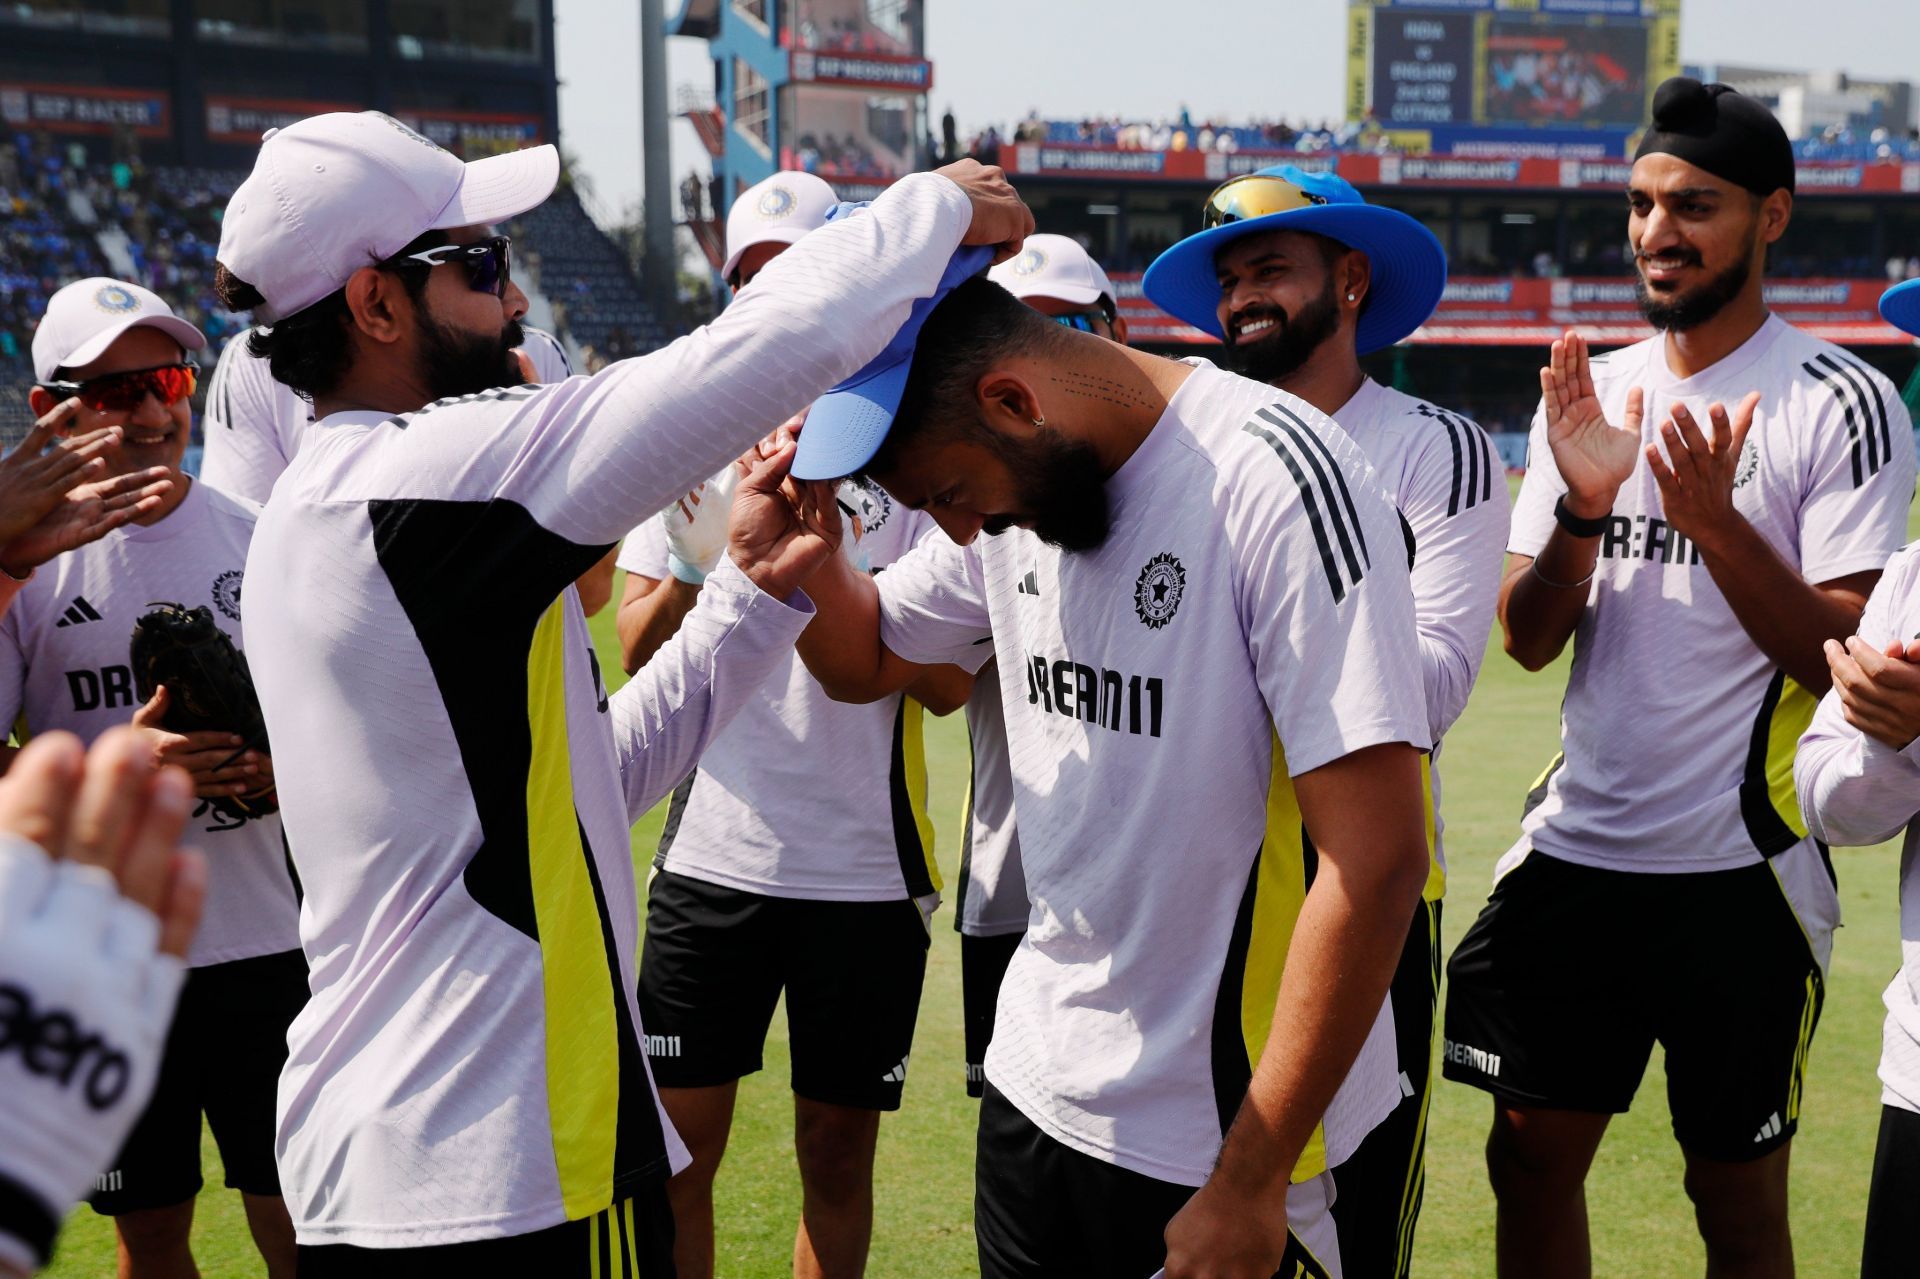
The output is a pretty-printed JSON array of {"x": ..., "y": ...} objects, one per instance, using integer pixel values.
[
  {"x": 85, "y": 1001},
  {"x": 697, "y": 529},
  {"x": 209, "y": 688}
]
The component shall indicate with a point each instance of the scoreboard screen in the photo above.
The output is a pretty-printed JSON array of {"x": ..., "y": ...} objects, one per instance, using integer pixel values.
[{"x": 1453, "y": 67}]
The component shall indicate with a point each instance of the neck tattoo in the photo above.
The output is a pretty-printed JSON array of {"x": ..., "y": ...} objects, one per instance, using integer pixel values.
[{"x": 1094, "y": 387}]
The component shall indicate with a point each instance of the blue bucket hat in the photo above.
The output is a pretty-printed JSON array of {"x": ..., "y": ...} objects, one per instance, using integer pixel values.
[
  {"x": 1900, "y": 306},
  {"x": 1409, "y": 266},
  {"x": 846, "y": 426}
]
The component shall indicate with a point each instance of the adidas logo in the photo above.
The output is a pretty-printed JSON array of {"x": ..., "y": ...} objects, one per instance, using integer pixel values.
[
  {"x": 898, "y": 1075},
  {"x": 1030, "y": 584},
  {"x": 1769, "y": 1129},
  {"x": 78, "y": 612}
]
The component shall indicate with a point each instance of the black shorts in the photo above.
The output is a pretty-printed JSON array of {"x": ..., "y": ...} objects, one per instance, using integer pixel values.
[
  {"x": 223, "y": 1057},
  {"x": 983, "y": 962},
  {"x": 715, "y": 961},
  {"x": 1893, "y": 1229},
  {"x": 1571, "y": 973},
  {"x": 631, "y": 1240},
  {"x": 1042, "y": 1209},
  {"x": 1378, "y": 1189}
]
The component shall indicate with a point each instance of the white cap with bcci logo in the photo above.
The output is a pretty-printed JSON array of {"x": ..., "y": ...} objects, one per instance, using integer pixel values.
[
  {"x": 336, "y": 192},
  {"x": 85, "y": 317},
  {"x": 776, "y": 210},
  {"x": 1053, "y": 266}
]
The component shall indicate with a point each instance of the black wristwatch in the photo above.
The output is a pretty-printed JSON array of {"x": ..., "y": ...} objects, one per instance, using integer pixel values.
[{"x": 1574, "y": 524}]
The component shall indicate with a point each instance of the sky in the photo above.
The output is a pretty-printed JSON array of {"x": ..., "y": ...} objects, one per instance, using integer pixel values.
[{"x": 993, "y": 60}]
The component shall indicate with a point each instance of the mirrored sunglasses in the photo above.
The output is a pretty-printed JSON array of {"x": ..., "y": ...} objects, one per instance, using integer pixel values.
[
  {"x": 124, "y": 392},
  {"x": 1254, "y": 195}
]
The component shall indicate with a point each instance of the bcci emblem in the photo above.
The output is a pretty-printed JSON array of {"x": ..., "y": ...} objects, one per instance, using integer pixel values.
[
  {"x": 871, "y": 509},
  {"x": 1030, "y": 263},
  {"x": 1749, "y": 464},
  {"x": 226, "y": 593},
  {"x": 1157, "y": 591},
  {"x": 775, "y": 202},
  {"x": 114, "y": 298}
]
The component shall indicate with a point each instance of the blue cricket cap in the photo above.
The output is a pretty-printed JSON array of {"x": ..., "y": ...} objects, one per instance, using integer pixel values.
[
  {"x": 845, "y": 427},
  {"x": 1900, "y": 306},
  {"x": 1409, "y": 266}
]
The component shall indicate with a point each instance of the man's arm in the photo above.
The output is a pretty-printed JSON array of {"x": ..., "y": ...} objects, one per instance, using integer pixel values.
[
  {"x": 1574, "y": 454},
  {"x": 1458, "y": 537},
  {"x": 1857, "y": 772},
  {"x": 1366, "y": 817},
  {"x": 667, "y": 715},
  {"x": 942, "y": 689},
  {"x": 591, "y": 457},
  {"x": 651, "y": 611},
  {"x": 596, "y": 584},
  {"x": 843, "y": 647}
]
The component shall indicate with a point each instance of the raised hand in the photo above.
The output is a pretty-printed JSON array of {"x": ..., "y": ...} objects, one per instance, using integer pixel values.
[
  {"x": 84, "y": 514},
  {"x": 999, "y": 217},
  {"x": 1594, "y": 456},
  {"x": 1696, "y": 487},
  {"x": 36, "y": 479},
  {"x": 780, "y": 529}
]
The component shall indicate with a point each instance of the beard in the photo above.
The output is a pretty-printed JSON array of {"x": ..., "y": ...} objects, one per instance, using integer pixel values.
[
  {"x": 1289, "y": 344},
  {"x": 1678, "y": 312},
  {"x": 1064, "y": 487},
  {"x": 458, "y": 363}
]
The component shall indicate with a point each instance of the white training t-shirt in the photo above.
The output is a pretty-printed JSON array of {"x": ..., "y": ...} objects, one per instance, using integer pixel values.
[
  {"x": 254, "y": 425},
  {"x": 803, "y": 796},
  {"x": 457, "y": 786},
  {"x": 993, "y": 889},
  {"x": 1440, "y": 469},
  {"x": 1677, "y": 732},
  {"x": 64, "y": 663},
  {"x": 1858, "y": 791},
  {"x": 1248, "y": 618}
]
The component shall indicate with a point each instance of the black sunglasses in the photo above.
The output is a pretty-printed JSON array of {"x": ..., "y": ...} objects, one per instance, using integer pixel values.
[{"x": 489, "y": 262}]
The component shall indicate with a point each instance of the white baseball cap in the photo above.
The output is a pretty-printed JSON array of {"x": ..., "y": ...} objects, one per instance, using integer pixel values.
[
  {"x": 336, "y": 192},
  {"x": 1054, "y": 266},
  {"x": 776, "y": 210},
  {"x": 85, "y": 318}
]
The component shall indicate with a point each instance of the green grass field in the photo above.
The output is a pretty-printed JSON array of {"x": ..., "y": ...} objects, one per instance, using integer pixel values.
[{"x": 1642, "y": 1223}]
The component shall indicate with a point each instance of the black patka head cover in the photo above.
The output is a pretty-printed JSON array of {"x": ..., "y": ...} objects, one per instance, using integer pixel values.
[{"x": 1722, "y": 131}]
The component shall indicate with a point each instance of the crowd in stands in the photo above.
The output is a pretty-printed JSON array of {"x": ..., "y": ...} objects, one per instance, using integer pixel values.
[
  {"x": 1838, "y": 142},
  {"x": 1184, "y": 133},
  {"x": 840, "y": 35},
  {"x": 842, "y": 157},
  {"x": 64, "y": 216}
]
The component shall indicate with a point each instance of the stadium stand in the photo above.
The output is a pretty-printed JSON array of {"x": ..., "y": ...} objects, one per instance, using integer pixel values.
[
  {"x": 594, "y": 290},
  {"x": 67, "y": 218},
  {"x": 1183, "y": 133}
]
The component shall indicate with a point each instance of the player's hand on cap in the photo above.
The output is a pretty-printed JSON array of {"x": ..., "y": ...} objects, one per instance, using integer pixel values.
[
  {"x": 97, "y": 907},
  {"x": 1000, "y": 218},
  {"x": 780, "y": 529},
  {"x": 214, "y": 760},
  {"x": 52, "y": 498},
  {"x": 1594, "y": 456},
  {"x": 696, "y": 525}
]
